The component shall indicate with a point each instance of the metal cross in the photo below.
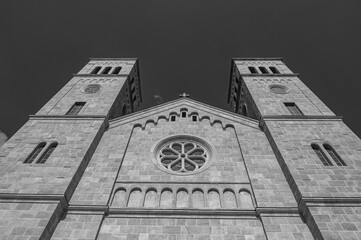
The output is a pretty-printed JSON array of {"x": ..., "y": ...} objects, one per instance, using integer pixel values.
[{"x": 184, "y": 95}]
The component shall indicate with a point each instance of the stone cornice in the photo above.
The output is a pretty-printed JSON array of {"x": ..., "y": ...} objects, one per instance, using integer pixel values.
[
  {"x": 300, "y": 118},
  {"x": 258, "y": 59},
  {"x": 113, "y": 59},
  {"x": 270, "y": 75},
  {"x": 68, "y": 117},
  {"x": 34, "y": 197},
  {"x": 101, "y": 75}
]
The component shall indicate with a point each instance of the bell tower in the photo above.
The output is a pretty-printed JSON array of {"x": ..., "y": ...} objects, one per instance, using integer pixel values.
[
  {"x": 104, "y": 87},
  {"x": 265, "y": 87},
  {"x": 319, "y": 155},
  {"x": 42, "y": 163}
]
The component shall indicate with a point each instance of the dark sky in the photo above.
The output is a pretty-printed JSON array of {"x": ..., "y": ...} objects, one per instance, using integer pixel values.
[{"x": 183, "y": 46}]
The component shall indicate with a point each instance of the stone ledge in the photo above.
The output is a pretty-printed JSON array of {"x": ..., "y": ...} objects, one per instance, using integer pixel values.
[
  {"x": 300, "y": 118},
  {"x": 71, "y": 117},
  {"x": 270, "y": 75},
  {"x": 100, "y": 75},
  {"x": 15, "y": 197},
  {"x": 257, "y": 59},
  {"x": 277, "y": 210},
  {"x": 114, "y": 59}
]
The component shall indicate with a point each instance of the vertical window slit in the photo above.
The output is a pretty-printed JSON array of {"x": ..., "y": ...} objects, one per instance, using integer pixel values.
[
  {"x": 338, "y": 160},
  {"x": 47, "y": 153},
  {"x": 96, "y": 70},
  {"x": 321, "y": 155},
  {"x": 263, "y": 70},
  {"x": 293, "y": 109},
  {"x": 35, "y": 153},
  {"x": 75, "y": 109}
]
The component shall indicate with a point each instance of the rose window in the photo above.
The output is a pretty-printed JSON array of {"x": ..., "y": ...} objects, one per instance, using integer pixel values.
[
  {"x": 92, "y": 88},
  {"x": 182, "y": 154}
]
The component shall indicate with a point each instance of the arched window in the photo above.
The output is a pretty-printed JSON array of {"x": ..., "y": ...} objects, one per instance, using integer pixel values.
[
  {"x": 47, "y": 153},
  {"x": 244, "y": 110},
  {"x": 96, "y": 70},
  {"x": 293, "y": 109},
  {"x": 124, "y": 110},
  {"x": 274, "y": 70},
  {"x": 35, "y": 153},
  {"x": 75, "y": 109},
  {"x": 172, "y": 118},
  {"x": 106, "y": 70},
  {"x": 321, "y": 155},
  {"x": 263, "y": 70},
  {"x": 117, "y": 70},
  {"x": 338, "y": 160},
  {"x": 253, "y": 70}
]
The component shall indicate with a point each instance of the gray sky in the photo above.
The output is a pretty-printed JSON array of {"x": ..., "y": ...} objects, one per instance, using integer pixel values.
[{"x": 183, "y": 46}]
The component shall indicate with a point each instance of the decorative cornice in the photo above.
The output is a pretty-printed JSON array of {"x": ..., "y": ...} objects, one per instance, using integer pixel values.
[
  {"x": 113, "y": 59},
  {"x": 35, "y": 197},
  {"x": 101, "y": 75},
  {"x": 257, "y": 59},
  {"x": 300, "y": 118},
  {"x": 278, "y": 75},
  {"x": 68, "y": 117},
  {"x": 277, "y": 210}
]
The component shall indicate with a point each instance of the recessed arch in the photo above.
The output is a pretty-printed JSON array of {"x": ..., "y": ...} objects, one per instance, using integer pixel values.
[
  {"x": 214, "y": 200},
  {"x": 135, "y": 198},
  {"x": 116, "y": 70},
  {"x": 263, "y": 70},
  {"x": 253, "y": 70},
  {"x": 150, "y": 200},
  {"x": 119, "y": 198},
  {"x": 229, "y": 199},
  {"x": 321, "y": 155},
  {"x": 32, "y": 156},
  {"x": 47, "y": 153},
  {"x": 274, "y": 70},
  {"x": 166, "y": 198},
  {"x": 106, "y": 70},
  {"x": 96, "y": 70},
  {"x": 334, "y": 155}
]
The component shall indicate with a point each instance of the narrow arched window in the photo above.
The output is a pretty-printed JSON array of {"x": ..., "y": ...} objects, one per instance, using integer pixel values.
[
  {"x": 244, "y": 110},
  {"x": 293, "y": 109},
  {"x": 321, "y": 155},
  {"x": 96, "y": 70},
  {"x": 47, "y": 153},
  {"x": 117, "y": 70},
  {"x": 75, "y": 109},
  {"x": 124, "y": 110},
  {"x": 338, "y": 160},
  {"x": 253, "y": 70},
  {"x": 274, "y": 70},
  {"x": 106, "y": 70},
  {"x": 172, "y": 118},
  {"x": 263, "y": 70},
  {"x": 35, "y": 153}
]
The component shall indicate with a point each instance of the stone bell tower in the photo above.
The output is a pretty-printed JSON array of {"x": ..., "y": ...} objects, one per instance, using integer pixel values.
[
  {"x": 319, "y": 155},
  {"x": 41, "y": 165}
]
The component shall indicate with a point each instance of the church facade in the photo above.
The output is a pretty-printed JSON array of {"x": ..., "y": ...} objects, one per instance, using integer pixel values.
[{"x": 91, "y": 165}]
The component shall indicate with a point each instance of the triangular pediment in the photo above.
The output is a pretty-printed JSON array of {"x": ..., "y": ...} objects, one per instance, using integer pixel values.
[{"x": 202, "y": 110}]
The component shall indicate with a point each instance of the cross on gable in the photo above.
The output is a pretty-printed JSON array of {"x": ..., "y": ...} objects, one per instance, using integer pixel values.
[{"x": 184, "y": 95}]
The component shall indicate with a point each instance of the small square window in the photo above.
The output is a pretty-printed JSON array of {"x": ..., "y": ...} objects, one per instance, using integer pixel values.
[
  {"x": 172, "y": 118},
  {"x": 194, "y": 118},
  {"x": 184, "y": 114}
]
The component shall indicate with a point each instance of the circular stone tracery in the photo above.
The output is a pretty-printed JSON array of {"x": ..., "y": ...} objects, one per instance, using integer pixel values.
[
  {"x": 278, "y": 89},
  {"x": 182, "y": 155},
  {"x": 92, "y": 88}
]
